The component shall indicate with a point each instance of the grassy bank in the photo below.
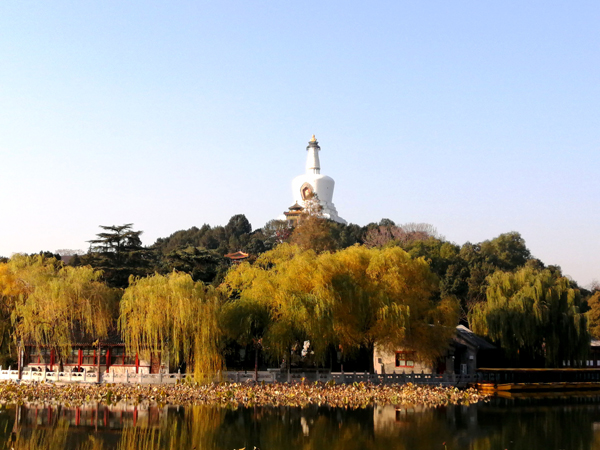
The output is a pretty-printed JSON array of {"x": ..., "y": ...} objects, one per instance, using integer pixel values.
[{"x": 357, "y": 395}]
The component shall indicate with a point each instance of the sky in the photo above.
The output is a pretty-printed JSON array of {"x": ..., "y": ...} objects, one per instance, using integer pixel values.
[{"x": 479, "y": 118}]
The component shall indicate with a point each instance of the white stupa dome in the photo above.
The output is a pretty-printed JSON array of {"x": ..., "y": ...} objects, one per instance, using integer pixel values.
[{"x": 312, "y": 184}]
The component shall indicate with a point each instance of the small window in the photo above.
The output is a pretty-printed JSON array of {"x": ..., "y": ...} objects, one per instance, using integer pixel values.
[
  {"x": 103, "y": 356},
  {"x": 45, "y": 356},
  {"x": 116, "y": 356},
  {"x": 88, "y": 357},
  {"x": 34, "y": 355},
  {"x": 405, "y": 359},
  {"x": 73, "y": 357}
]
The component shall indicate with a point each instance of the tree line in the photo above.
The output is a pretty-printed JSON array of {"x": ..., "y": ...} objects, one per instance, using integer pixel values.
[{"x": 345, "y": 289}]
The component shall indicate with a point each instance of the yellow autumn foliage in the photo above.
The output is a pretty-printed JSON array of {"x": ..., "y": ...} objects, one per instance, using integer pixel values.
[
  {"x": 52, "y": 305},
  {"x": 176, "y": 316},
  {"x": 357, "y": 297}
]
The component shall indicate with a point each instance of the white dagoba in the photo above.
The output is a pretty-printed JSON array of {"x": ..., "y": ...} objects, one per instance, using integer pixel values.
[{"x": 305, "y": 187}]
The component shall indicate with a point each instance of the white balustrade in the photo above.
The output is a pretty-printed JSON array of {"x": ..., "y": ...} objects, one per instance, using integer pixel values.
[{"x": 242, "y": 377}]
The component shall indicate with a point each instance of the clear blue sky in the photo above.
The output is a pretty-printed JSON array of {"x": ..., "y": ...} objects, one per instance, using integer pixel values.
[{"x": 477, "y": 117}]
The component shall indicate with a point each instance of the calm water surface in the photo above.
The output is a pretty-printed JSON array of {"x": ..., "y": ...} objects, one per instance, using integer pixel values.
[{"x": 558, "y": 421}]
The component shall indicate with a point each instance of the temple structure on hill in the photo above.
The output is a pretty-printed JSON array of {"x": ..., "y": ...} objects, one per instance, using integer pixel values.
[
  {"x": 237, "y": 257},
  {"x": 312, "y": 186}
]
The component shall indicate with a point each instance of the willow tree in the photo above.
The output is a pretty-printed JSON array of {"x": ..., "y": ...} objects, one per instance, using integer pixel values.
[
  {"x": 385, "y": 298},
  {"x": 172, "y": 314},
  {"x": 355, "y": 298},
  {"x": 593, "y": 315},
  {"x": 265, "y": 286},
  {"x": 534, "y": 315},
  {"x": 246, "y": 322},
  {"x": 53, "y": 305}
]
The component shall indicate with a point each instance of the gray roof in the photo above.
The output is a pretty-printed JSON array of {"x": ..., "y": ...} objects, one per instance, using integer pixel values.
[{"x": 469, "y": 338}]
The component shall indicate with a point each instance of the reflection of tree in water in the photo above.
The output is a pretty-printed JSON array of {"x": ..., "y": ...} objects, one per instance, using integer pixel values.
[
  {"x": 197, "y": 427},
  {"x": 192, "y": 427},
  {"x": 39, "y": 439},
  {"x": 530, "y": 425},
  {"x": 316, "y": 428},
  {"x": 297, "y": 428},
  {"x": 525, "y": 424},
  {"x": 54, "y": 438}
]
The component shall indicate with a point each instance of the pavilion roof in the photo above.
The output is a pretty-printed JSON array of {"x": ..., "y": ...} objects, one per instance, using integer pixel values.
[{"x": 237, "y": 255}]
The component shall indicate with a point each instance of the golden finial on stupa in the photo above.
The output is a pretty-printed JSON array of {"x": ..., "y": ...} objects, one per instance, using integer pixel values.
[{"x": 314, "y": 139}]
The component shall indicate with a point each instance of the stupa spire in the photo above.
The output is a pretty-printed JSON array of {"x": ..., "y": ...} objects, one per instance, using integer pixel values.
[{"x": 313, "y": 165}]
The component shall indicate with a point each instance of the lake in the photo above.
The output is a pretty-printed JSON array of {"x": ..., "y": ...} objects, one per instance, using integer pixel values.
[{"x": 552, "y": 421}]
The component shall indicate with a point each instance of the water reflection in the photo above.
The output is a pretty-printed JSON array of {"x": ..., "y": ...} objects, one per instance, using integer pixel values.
[{"x": 522, "y": 422}]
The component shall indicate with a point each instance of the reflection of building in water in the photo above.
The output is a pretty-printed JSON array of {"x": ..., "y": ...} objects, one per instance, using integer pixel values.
[
  {"x": 389, "y": 417},
  {"x": 456, "y": 420},
  {"x": 92, "y": 416}
]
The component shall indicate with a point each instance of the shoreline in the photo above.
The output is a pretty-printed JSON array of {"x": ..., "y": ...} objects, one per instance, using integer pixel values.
[{"x": 232, "y": 395}]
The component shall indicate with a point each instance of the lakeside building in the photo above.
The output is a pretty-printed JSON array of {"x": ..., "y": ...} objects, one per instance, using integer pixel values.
[
  {"x": 312, "y": 186},
  {"x": 467, "y": 351},
  {"x": 103, "y": 355}
]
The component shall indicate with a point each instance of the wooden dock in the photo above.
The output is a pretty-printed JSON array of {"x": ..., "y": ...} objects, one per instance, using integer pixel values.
[{"x": 560, "y": 379}]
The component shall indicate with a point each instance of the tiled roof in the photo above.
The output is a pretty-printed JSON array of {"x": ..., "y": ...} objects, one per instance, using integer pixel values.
[
  {"x": 237, "y": 255},
  {"x": 80, "y": 338},
  {"x": 466, "y": 335}
]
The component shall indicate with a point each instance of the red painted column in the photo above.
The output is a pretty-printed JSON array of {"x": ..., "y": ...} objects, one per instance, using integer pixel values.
[
  {"x": 79, "y": 358},
  {"x": 137, "y": 363},
  {"x": 51, "y": 358},
  {"x": 97, "y": 360},
  {"x": 107, "y": 359},
  {"x": 20, "y": 361}
]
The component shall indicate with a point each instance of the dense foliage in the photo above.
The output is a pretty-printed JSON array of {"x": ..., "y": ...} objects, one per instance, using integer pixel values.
[
  {"x": 534, "y": 315},
  {"x": 344, "y": 288},
  {"x": 352, "y": 298},
  {"x": 173, "y": 315},
  {"x": 594, "y": 314},
  {"x": 50, "y": 305},
  {"x": 118, "y": 253}
]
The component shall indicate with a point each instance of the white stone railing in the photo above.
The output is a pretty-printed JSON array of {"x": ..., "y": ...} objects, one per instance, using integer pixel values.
[
  {"x": 447, "y": 379},
  {"x": 351, "y": 377},
  {"x": 142, "y": 378},
  {"x": 91, "y": 377},
  {"x": 271, "y": 376}
]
